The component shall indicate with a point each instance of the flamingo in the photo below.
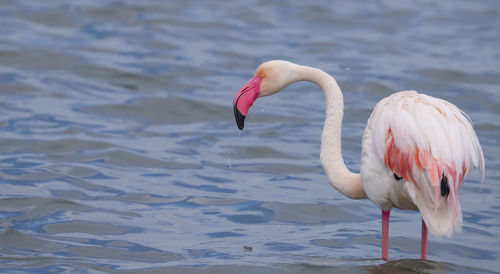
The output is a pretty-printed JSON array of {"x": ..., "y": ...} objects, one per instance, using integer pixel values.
[{"x": 416, "y": 149}]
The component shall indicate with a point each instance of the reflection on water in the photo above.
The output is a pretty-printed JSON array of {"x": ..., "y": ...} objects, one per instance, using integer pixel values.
[{"x": 119, "y": 153}]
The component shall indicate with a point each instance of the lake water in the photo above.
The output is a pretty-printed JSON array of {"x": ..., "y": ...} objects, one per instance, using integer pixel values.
[{"x": 119, "y": 151}]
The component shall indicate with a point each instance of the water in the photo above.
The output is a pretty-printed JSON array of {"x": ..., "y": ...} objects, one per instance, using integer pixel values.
[{"x": 119, "y": 151}]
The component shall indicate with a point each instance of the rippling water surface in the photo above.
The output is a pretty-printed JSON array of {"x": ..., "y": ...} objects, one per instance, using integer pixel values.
[{"x": 119, "y": 152}]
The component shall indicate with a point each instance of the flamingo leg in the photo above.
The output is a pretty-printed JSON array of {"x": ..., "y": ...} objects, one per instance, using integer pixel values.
[
  {"x": 385, "y": 234},
  {"x": 423, "y": 244}
]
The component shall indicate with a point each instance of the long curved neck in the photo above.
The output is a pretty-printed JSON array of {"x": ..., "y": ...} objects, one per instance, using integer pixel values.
[{"x": 339, "y": 176}]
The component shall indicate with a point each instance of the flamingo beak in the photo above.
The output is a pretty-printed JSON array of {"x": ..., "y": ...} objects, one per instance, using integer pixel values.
[{"x": 244, "y": 99}]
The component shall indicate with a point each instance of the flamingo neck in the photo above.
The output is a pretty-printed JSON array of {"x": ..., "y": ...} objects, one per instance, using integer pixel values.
[{"x": 339, "y": 176}]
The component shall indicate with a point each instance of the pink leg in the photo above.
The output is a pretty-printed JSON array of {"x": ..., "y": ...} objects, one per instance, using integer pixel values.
[
  {"x": 385, "y": 234},
  {"x": 423, "y": 244}
]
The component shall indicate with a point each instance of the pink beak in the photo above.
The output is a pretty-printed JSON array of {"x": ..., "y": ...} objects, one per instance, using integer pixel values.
[{"x": 244, "y": 99}]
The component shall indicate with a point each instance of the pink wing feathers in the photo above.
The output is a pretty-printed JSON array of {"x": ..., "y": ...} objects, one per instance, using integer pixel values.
[{"x": 431, "y": 144}]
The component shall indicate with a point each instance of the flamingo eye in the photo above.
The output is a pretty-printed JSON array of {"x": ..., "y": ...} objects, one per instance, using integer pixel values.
[{"x": 262, "y": 74}]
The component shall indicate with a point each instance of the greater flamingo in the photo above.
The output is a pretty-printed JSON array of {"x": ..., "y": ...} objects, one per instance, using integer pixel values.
[{"x": 416, "y": 149}]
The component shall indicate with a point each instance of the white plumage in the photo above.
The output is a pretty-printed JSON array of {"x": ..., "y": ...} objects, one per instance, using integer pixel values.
[{"x": 430, "y": 137}]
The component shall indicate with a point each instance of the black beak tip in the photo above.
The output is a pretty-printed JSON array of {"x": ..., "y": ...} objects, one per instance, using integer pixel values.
[{"x": 240, "y": 118}]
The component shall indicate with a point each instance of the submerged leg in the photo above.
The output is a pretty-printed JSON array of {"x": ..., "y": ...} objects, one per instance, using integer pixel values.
[
  {"x": 423, "y": 244},
  {"x": 385, "y": 234}
]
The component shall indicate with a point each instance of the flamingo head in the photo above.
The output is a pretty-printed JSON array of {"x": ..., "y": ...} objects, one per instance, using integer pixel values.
[{"x": 269, "y": 78}]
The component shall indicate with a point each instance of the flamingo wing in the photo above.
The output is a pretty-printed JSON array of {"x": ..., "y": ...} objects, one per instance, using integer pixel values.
[{"x": 430, "y": 143}]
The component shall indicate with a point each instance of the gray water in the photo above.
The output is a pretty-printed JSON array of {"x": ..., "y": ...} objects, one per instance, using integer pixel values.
[{"x": 119, "y": 151}]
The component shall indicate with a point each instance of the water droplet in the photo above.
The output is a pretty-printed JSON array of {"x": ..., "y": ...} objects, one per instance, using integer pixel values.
[{"x": 228, "y": 160}]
